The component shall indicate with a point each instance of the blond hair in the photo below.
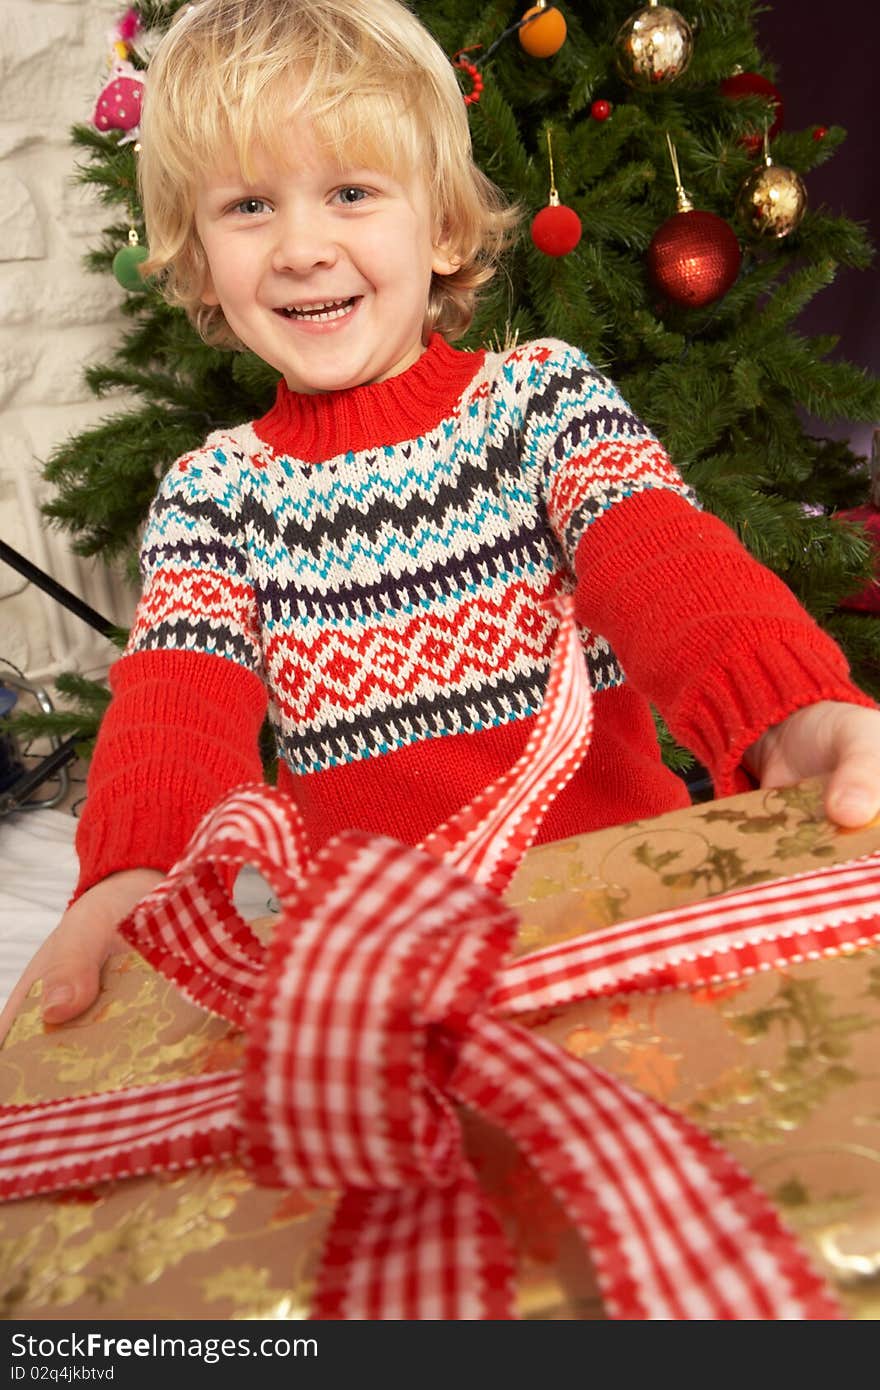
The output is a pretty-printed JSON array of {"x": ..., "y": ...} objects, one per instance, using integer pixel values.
[{"x": 239, "y": 70}]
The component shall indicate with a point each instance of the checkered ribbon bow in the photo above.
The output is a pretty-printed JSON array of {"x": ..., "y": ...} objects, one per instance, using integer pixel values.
[{"x": 383, "y": 1004}]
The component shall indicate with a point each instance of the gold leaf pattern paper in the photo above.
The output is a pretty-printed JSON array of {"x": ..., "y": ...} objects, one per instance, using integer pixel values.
[{"x": 781, "y": 1067}]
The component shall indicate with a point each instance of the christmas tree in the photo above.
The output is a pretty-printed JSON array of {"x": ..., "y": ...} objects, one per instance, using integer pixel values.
[{"x": 667, "y": 232}]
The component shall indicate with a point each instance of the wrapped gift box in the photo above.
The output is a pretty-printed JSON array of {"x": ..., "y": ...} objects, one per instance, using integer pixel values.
[{"x": 779, "y": 1066}]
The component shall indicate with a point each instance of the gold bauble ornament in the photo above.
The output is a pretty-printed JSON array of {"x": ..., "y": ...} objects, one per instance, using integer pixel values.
[
  {"x": 653, "y": 47},
  {"x": 772, "y": 200}
]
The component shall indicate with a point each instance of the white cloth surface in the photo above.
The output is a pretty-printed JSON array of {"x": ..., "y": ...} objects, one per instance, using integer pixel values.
[
  {"x": 37, "y": 876},
  {"x": 38, "y": 872}
]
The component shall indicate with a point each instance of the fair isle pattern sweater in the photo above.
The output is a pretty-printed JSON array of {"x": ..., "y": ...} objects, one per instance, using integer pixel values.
[
  {"x": 392, "y": 594},
  {"x": 378, "y": 561}
]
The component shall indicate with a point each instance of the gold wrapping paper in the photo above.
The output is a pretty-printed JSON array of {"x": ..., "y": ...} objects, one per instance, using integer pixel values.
[{"x": 781, "y": 1067}]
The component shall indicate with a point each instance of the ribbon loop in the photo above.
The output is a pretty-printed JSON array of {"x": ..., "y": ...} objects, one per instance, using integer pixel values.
[
  {"x": 254, "y": 824},
  {"x": 188, "y": 927},
  {"x": 355, "y": 1030}
]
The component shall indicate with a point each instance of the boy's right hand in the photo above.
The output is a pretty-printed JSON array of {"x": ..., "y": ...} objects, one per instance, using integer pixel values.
[{"x": 69, "y": 961}]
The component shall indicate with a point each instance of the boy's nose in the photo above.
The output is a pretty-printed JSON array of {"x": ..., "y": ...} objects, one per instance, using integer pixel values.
[{"x": 304, "y": 240}]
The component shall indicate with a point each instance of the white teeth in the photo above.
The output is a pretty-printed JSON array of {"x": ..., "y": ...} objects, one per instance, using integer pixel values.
[{"x": 320, "y": 313}]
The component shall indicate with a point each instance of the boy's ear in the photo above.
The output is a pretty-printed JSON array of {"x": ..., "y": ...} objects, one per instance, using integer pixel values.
[
  {"x": 445, "y": 260},
  {"x": 208, "y": 294}
]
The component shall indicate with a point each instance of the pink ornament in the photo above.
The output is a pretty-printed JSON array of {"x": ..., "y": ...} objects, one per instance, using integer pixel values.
[
  {"x": 129, "y": 25},
  {"x": 119, "y": 105},
  {"x": 866, "y": 600}
]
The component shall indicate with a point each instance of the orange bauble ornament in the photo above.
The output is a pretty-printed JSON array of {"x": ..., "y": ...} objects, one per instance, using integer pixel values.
[{"x": 544, "y": 35}]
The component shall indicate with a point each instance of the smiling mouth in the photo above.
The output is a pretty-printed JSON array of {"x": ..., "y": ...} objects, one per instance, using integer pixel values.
[{"x": 323, "y": 312}]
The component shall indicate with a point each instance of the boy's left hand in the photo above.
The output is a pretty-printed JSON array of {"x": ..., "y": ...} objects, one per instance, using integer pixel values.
[{"x": 828, "y": 739}]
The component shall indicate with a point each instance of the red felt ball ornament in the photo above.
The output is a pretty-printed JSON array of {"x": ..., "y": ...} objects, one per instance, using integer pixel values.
[
  {"x": 694, "y": 258},
  {"x": 556, "y": 230},
  {"x": 600, "y": 110},
  {"x": 752, "y": 84},
  {"x": 119, "y": 105}
]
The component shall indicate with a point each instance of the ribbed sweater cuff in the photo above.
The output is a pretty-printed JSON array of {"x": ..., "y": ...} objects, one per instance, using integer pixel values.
[
  {"x": 181, "y": 731},
  {"x": 732, "y": 706},
  {"x": 716, "y": 641}
]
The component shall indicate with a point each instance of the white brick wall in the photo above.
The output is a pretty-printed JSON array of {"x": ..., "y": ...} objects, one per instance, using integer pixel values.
[{"x": 55, "y": 318}]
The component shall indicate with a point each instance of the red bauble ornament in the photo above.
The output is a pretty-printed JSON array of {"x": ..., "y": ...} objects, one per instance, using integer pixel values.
[
  {"x": 556, "y": 230},
  {"x": 819, "y": 132},
  {"x": 694, "y": 258},
  {"x": 600, "y": 110},
  {"x": 752, "y": 84}
]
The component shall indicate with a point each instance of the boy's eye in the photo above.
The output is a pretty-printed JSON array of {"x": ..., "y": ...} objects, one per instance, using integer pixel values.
[
  {"x": 251, "y": 206},
  {"x": 352, "y": 195}
]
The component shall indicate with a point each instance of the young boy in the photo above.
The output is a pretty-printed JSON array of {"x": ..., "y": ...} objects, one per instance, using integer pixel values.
[{"x": 371, "y": 557}]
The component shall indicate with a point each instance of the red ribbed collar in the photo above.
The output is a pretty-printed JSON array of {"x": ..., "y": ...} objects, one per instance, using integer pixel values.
[{"x": 318, "y": 427}]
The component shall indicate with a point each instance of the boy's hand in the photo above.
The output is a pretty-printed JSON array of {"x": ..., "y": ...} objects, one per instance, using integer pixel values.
[
  {"x": 69, "y": 961},
  {"x": 830, "y": 739}
]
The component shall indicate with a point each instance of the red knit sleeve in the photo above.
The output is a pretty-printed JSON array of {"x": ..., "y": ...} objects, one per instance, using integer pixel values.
[
  {"x": 715, "y": 640},
  {"x": 181, "y": 730}
]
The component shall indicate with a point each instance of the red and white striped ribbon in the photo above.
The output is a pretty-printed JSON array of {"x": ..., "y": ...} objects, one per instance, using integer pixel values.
[
  {"x": 379, "y": 1007},
  {"x": 822, "y": 912},
  {"x": 487, "y": 839}
]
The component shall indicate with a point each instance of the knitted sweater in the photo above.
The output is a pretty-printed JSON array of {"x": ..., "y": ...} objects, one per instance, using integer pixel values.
[{"x": 374, "y": 563}]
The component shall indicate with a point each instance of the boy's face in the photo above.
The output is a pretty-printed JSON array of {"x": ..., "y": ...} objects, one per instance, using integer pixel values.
[{"x": 322, "y": 271}]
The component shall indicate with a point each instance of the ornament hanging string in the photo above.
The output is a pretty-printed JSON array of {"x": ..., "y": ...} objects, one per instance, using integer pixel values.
[
  {"x": 683, "y": 201},
  {"x": 514, "y": 28},
  {"x": 554, "y": 192}
]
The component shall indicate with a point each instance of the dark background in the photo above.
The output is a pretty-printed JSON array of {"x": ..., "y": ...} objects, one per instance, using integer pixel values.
[{"x": 827, "y": 61}]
